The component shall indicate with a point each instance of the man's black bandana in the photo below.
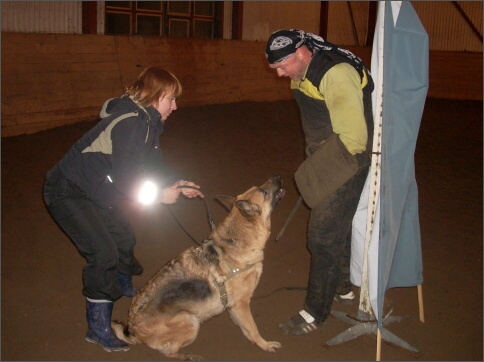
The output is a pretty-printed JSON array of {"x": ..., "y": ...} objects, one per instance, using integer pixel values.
[{"x": 284, "y": 43}]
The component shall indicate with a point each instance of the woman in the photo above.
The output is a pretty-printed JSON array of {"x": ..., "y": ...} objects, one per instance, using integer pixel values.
[{"x": 118, "y": 159}]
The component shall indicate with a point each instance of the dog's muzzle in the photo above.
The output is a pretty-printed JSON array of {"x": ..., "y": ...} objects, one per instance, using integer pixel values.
[{"x": 280, "y": 193}]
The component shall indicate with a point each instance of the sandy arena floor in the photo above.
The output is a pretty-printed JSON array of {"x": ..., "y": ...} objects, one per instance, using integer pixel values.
[{"x": 227, "y": 149}]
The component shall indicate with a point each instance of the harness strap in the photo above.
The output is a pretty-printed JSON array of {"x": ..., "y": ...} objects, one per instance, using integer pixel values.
[{"x": 233, "y": 271}]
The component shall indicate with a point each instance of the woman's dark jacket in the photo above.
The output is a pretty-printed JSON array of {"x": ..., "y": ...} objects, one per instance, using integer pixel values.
[{"x": 111, "y": 160}]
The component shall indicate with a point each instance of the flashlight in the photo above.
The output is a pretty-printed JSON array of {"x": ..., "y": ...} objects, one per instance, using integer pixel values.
[{"x": 147, "y": 193}]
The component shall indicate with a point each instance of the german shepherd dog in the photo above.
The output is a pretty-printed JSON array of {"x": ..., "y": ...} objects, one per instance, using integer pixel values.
[{"x": 203, "y": 281}]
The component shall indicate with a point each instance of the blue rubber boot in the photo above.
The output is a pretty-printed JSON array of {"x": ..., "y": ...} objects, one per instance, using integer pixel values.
[
  {"x": 98, "y": 315},
  {"x": 126, "y": 282}
]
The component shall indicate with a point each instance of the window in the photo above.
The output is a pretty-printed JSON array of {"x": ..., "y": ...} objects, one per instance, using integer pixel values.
[{"x": 185, "y": 19}]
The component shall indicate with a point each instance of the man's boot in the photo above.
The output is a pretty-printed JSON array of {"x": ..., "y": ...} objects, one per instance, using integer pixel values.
[
  {"x": 126, "y": 282},
  {"x": 319, "y": 299},
  {"x": 98, "y": 315}
]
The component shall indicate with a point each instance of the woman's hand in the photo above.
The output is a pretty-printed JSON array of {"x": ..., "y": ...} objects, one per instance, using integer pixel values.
[
  {"x": 191, "y": 191},
  {"x": 170, "y": 194}
]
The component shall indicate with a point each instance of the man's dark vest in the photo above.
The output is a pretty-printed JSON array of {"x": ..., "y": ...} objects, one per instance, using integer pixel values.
[{"x": 315, "y": 117}]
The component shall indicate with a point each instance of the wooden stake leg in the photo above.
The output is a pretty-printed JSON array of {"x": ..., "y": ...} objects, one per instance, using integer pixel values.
[{"x": 420, "y": 303}]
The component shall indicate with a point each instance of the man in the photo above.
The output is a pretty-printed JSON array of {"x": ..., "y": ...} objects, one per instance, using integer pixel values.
[{"x": 333, "y": 89}]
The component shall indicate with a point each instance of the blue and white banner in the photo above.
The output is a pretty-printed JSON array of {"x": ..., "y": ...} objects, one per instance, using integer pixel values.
[{"x": 386, "y": 244}]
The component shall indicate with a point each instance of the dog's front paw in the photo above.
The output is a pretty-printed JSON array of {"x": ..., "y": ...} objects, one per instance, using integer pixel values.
[{"x": 271, "y": 346}]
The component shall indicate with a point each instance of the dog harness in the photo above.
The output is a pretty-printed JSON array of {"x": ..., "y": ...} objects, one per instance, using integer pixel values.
[{"x": 233, "y": 271}]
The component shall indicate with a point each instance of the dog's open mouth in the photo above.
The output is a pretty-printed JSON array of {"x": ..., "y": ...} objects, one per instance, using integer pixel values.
[{"x": 279, "y": 195}]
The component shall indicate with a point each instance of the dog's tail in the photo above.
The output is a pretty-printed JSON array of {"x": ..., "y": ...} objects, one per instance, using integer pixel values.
[{"x": 123, "y": 333}]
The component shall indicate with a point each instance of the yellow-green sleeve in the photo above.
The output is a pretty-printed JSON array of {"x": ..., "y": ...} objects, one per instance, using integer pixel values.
[{"x": 341, "y": 89}]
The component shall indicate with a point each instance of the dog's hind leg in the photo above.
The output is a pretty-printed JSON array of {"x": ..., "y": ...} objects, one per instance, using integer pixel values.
[
  {"x": 242, "y": 316},
  {"x": 171, "y": 335}
]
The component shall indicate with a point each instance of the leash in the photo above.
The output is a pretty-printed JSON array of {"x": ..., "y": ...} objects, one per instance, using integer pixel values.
[
  {"x": 278, "y": 290},
  {"x": 207, "y": 208},
  {"x": 233, "y": 270},
  {"x": 291, "y": 215}
]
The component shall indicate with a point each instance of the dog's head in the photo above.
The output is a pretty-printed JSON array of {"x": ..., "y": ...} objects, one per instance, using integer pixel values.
[
  {"x": 256, "y": 200},
  {"x": 251, "y": 211}
]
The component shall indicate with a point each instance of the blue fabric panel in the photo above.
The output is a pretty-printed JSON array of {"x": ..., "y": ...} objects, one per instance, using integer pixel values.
[{"x": 405, "y": 85}]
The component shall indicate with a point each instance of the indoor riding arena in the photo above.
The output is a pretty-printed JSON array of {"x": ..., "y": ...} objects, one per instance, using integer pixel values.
[{"x": 237, "y": 124}]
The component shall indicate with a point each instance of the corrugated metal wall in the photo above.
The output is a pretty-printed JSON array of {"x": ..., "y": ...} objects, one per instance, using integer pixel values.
[
  {"x": 447, "y": 28},
  {"x": 42, "y": 16},
  {"x": 347, "y": 21}
]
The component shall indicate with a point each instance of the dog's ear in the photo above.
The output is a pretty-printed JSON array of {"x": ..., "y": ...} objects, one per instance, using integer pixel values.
[
  {"x": 226, "y": 201},
  {"x": 247, "y": 208}
]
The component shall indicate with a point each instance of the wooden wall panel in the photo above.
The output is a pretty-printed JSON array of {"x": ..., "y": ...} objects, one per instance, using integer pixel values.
[
  {"x": 340, "y": 22},
  {"x": 455, "y": 75},
  {"x": 262, "y": 18},
  {"x": 50, "y": 80}
]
